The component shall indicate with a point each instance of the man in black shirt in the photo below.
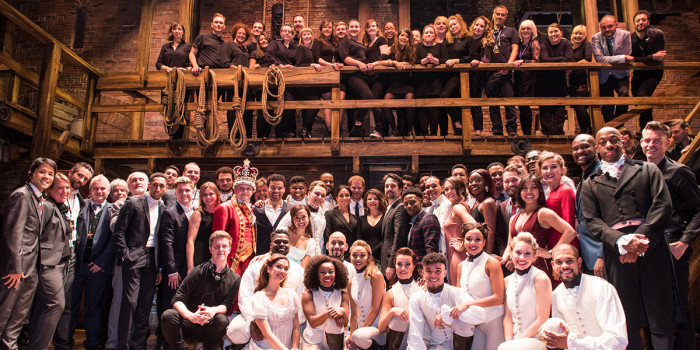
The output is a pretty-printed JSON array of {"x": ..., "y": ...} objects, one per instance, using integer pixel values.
[
  {"x": 684, "y": 225},
  {"x": 206, "y": 48},
  {"x": 203, "y": 299},
  {"x": 299, "y": 24},
  {"x": 648, "y": 47},
  {"x": 500, "y": 83},
  {"x": 680, "y": 132}
]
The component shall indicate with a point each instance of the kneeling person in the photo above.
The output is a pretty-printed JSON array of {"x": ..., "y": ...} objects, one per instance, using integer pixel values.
[{"x": 203, "y": 299}]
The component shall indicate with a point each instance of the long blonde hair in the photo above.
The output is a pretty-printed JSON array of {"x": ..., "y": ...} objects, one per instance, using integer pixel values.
[
  {"x": 464, "y": 29},
  {"x": 579, "y": 28},
  {"x": 371, "y": 270},
  {"x": 487, "y": 37}
]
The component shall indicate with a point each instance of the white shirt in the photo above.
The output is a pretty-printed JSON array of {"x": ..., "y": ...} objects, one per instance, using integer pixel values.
[
  {"x": 188, "y": 211},
  {"x": 294, "y": 202},
  {"x": 272, "y": 213},
  {"x": 225, "y": 196},
  {"x": 442, "y": 208},
  {"x": 329, "y": 203},
  {"x": 73, "y": 203},
  {"x": 352, "y": 207},
  {"x": 153, "y": 212}
]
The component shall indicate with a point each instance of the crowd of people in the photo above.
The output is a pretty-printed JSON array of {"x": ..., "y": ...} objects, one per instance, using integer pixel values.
[
  {"x": 445, "y": 42},
  {"x": 514, "y": 256}
]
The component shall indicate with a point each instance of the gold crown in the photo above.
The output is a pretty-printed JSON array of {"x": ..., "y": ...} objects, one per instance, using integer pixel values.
[{"x": 245, "y": 174}]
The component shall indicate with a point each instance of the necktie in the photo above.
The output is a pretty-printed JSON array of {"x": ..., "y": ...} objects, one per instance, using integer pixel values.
[
  {"x": 41, "y": 205},
  {"x": 357, "y": 208},
  {"x": 609, "y": 43}
]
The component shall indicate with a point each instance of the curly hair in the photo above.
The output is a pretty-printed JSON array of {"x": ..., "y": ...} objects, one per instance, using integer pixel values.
[
  {"x": 311, "y": 280},
  {"x": 238, "y": 26},
  {"x": 264, "y": 277},
  {"x": 464, "y": 29},
  {"x": 433, "y": 258},
  {"x": 487, "y": 37},
  {"x": 371, "y": 270}
]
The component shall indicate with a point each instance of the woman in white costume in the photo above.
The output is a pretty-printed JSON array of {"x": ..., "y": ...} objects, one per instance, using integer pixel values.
[{"x": 366, "y": 293}]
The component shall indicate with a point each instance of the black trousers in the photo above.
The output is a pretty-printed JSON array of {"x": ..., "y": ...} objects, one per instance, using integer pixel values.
[
  {"x": 525, "y": 87},
  {"x": 404, "y": 121},
  {"x": 176, "y": 330},
  {"x": 645, "y": 291},
  {"x": 451, "y": 89},
  {"x": 96, "y": 286},
  {"x": 501, "y": 85},
  {"x": 367, "y": 87},
  {"x": 139, "y": 280},
  {"x": 582, "y": 116},
  {"x": 685, "y": 334},
  {"x": 612, "y": 85},
  {"x": 644, "y": 84}
]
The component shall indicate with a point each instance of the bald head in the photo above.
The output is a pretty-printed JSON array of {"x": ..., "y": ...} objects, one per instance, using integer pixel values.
[
  {"x": 583, "y": 150},
  {"x": 337, "y": 245},
  {"x": 608, "y": 130},
  {"x": 585, "y": 138},
  {"x": 564, "y": 248}
]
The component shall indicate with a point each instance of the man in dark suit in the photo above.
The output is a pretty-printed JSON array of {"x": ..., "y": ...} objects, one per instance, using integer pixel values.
[
  {"x": 394, "y": 226},
  {"x": 507, "y": 208},
  {"x": 95, "y": 262},
  {"x": 25, "y": 215},
  {"x": 136, "y": 244},
  {"x": 424, "y": 232},
  {"x": 172, "y": 239},
  {"x": 684, "y": 226},
  {"x": 53, "y": 256},
  {"x": 268, "y": 217},
  {"x": 626, "y": 205}
]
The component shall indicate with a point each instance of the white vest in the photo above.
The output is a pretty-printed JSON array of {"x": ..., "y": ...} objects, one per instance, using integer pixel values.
[
  {"x": 322, "y": 303},
  {"x": 478, "y": 284},
  {"x": 582, "y": 319},
  {"x": 401, "y": 301}
]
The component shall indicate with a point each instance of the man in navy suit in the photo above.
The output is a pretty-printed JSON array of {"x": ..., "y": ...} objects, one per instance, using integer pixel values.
[
  {"x": 172, "y": 239},
  {"x": 268, "y": 217},
  {"x": 95, "y": 262},
  {"x": 136, "y": 244},
  {"x": 25, "y": 215}
]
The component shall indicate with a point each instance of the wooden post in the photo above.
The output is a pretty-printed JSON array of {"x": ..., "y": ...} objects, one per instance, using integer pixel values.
[
  {"x": 466, "y": 113},
  {"x": 47, "y": 91},
  {"x": 8, "y": 45},
  {"x": 629, "y": 8},
  {"x": 404, "y": 14},
  {"x": 98, "y": 165},
  {"x": 363, "y": 11},
  {"x": 356, "y": 164},
  {"x": 137, "y": 122},
  {"x": 189, "y": 18},
  {"x": 145, "y": 33},
  {"x": 590, "y": 13},
  {"x": 151, "y": 165},
  {"x": 335, "y": 121},
  {"x": 89, "y": 120},
  {"x": 415, "y": 163},
  {"x": 590, "y": 8}
]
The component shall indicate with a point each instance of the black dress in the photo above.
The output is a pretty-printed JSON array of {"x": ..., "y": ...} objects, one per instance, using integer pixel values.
[
  {"x": 465, "y": 49},
  {"x": 201, "y": 243},
  {"x": 552, "y": 83},
  {"x": 373, "y": 236},
  {"x": 233, "y": 54},
  {"x": 305, "y": 58},
  {"x": 525, "y": 81}
]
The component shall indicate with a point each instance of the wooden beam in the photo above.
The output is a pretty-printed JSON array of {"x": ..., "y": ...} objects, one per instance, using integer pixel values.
[
  {"x": 23, "y": 124},
  {"x": 89, "y": 119},
  {"x": 415, "y": 164},
  {"x": 32, "y": 79},
  {"x": 364, "y": 10},
  {"x": 597, "y": 119},
  {"x": 629, "y": 8},
  {"x": 693, "y": 148},
  {"x": 189, "y": 17},
  {"x": 404, "y": 14},
  {"x": 335, "y": 121},
  {"x": 466, "y": 112},
  {"x": 58, "y": 145},
  {"x": 426, "y": 102},
  {"x": 47, "y": 93},
  {"x": 8, "y": 43},
  {"x": 356, "y": 164},
  {"x": 27, "y": 25},
  {"x": 145, "y": 33},
  {"x": 137, "y": 124}
]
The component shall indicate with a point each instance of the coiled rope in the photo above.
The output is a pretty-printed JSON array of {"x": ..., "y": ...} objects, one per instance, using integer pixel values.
[
  {"x": 207, "y": 133},
  {"x": 237, "y": 137},
  {"x": 173, "y": 100},
  {"x": 274, "y": 76}
]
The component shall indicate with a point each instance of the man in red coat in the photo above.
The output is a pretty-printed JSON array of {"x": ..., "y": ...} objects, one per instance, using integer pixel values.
[{"x": 236, "y": 217}]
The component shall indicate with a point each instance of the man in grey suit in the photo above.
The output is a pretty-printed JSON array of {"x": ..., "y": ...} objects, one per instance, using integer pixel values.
[
  {"x": 95, "y": 262},
  {"x": 54, "y": 254},
  {"x": 394, "y": 226},
  {"x": 138, "y": 184},
  {"x": 25, "y": 216},
  {"x": 612, "y": 45},
  {"x": 136, "y": 244},
  {"x": 626, "y": 205}
]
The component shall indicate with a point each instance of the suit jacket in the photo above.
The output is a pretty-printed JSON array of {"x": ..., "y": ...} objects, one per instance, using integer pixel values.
[
  {"x": 265, "y": 227},
  {"x": 503, "y": 225},
  {"x": 395, "y": 233},
  {"x": 589, "y": 247},
  {"x": 424, "y": 234},
  {"x": 622, "y": 45},
  {"x": 172, "y": 240},
  {"x": 19, "y": 243},
  {"x": 640, "y": 192},
  {"x": 132, "y": 229},
  {"x": 102, "y": 252},
  {"x": 169, "y": 198},
  {"x": 335, "y": 221},
  {"x": 54, "y": 242}
]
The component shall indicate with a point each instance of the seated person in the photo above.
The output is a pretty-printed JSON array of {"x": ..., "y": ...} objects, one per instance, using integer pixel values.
[{"x": 203, "y": 299}]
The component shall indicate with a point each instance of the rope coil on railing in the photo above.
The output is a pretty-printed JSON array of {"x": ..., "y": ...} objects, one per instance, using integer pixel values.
[
  {"x": 173, "y": 100},
  {"x": 207, "y": 133},
  {"x": 237, "y": 137},
  {"x": 273, "y": 76}
]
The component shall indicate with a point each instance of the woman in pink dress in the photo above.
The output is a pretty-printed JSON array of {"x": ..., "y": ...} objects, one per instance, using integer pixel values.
[{"x": 455, "y": 191}]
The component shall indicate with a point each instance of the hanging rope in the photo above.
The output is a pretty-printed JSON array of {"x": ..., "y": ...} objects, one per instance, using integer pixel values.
[
  {"x": 173, "y": 100},
  {"x": 207, "y": 133},
  {"x": 237, "y": 137},
  {"x": 274, "y": 76}
]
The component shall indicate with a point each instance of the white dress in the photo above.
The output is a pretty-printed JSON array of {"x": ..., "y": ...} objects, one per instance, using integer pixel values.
[
  {"x": 280, "y": 317},
  {"x": 297, "y": 255},
  {"x": 478, "y": 285}
]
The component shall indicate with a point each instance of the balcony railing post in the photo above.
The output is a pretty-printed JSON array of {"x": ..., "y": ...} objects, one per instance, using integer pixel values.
[
  {"x": 594, "y": 88},
  {"x": 335, "y": 121},
  {"x": 466, "y": 112}
]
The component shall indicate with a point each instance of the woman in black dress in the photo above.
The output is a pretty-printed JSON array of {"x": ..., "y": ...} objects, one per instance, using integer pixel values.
[
  {"x": 552, "y": 83},
  {"x": 283, "y": 54},
  {"x": 441, "y": 29},
  {"x": 480, "y": 49},
  {"x": 578, "y": 79},
  {"x": 305, "y": 58},
  {"x": 460, "y": 49},
  {"x": 200, "y": 226},
  {"x": 175, "y": 54},
  {"x": 378, "y": 52},
  {"x": 259, "y": 56},
  {"x": 340, "y": 219},
  {"x": 326, "y": 54},
  {"x": 429, "y": 53},
  {"x": 370, "y": 229},
  {"x": 528, "y": 52},
  {"x": 401, "y": 55},
  {"x": 365, "y": 84}
]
